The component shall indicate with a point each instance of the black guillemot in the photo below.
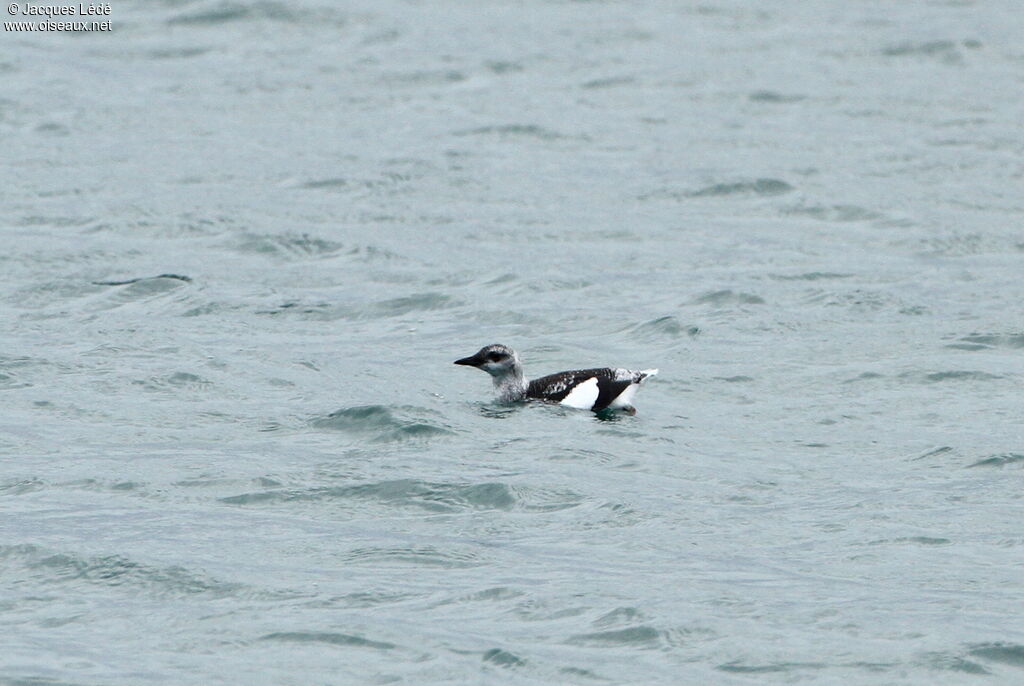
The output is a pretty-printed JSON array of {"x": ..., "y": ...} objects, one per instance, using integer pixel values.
[{"x": 585, "y": 389}]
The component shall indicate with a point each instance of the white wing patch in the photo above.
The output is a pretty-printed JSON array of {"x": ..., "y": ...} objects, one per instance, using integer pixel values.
[
  {"x": 583, "y": 396},
  {"x": 624, "y": 399}
]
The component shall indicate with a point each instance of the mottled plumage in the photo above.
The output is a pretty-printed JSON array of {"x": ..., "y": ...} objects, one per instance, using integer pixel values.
[{"x": 585, "y": 389}]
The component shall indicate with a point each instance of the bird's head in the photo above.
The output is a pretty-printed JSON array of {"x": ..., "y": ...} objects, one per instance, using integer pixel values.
[{"x": 496, "y": 360}]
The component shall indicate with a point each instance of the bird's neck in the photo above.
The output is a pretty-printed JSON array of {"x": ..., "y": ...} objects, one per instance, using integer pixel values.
[{"x": 511, "y": 386}]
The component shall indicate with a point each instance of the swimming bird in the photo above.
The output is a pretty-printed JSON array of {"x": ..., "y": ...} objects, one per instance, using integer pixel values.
[{"x": 584, "y": 389}]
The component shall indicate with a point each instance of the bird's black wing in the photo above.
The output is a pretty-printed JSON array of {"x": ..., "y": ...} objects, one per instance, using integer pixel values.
[{"x": 555, "y": 387}]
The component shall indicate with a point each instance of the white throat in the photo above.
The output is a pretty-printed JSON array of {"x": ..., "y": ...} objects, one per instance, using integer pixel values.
[{"x": 511, "y": 385}]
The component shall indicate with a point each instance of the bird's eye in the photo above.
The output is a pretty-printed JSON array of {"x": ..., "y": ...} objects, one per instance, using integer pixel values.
[{"x": 494, "y": 357}]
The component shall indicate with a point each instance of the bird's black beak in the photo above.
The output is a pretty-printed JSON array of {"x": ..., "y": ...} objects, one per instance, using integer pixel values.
[{"x": 471, "y": 361}]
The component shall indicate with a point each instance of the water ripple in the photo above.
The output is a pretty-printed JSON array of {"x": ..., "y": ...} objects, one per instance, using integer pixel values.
[
  {"x": 330, "y": 638},
  {"x": 1013, "y": 341},
  {"x": 393, "y": 307},
  {"x": 955, "y": 375},
  {"x": 115, "y": 570},
  {"x": 428, "y": 556},
  {"x": 432, "y": 497},
  {"x": 286, "y": 246},
  {"x": 514, "y": 131},
  {"x": 1006, "y": 653},
  {"x": 503, "y": 658},
  {"x": 662, "y": 327},
  {"x": 744, "y": 668},
  {"x": 728, "y": 297},
  {"x": 642, "y": 636},
  {"x": 1003, "y": 460},
  {"x": 756, "y": 187},
  {"x": 228, "y": 12},
  {"x": 382, "y": 422}
]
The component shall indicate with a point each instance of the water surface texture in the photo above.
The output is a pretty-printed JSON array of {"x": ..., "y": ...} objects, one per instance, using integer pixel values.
[{"x": 242, "y": 244}]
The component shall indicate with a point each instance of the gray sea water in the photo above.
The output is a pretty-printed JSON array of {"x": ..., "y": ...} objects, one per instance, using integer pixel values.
[{"x": 242, "y": 244}]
